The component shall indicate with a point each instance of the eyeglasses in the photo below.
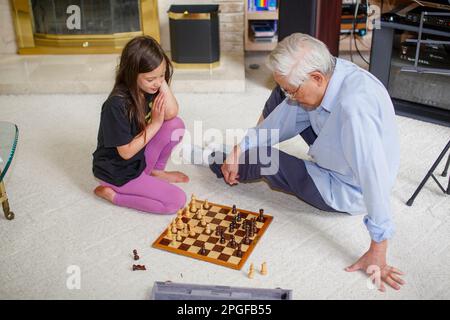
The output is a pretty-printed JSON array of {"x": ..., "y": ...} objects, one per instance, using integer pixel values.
[{"x": 290, "y": 95}]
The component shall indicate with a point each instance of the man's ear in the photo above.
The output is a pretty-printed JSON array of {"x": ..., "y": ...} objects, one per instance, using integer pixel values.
[{"x": 318, "y": 77}]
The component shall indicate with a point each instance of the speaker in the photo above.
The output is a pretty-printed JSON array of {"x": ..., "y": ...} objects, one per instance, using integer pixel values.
[{"x": 318, "y": 18}]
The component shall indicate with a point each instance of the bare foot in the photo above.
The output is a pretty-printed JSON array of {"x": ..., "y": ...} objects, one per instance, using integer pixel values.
[
  {"x": 170, "y": 176},
  {"x": 106, "y": 193}
]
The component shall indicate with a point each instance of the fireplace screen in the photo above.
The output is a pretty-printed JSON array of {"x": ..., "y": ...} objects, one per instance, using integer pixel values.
[
  {"x": 82, "y": 26},
  {"x": 85, "y": 16}
]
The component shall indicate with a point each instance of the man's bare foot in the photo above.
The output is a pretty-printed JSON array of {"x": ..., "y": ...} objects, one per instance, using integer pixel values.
[
  {"x": 170, "y": 176},
  {"x": 106, "y": 193}
]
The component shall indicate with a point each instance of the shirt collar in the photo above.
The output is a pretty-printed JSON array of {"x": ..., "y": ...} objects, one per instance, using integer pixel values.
[{"x": 329, "y": 100}]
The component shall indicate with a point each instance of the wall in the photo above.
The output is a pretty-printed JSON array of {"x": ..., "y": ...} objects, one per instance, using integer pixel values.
[
  {"x": 7, "y": 34},
  {"x": 231, "y": 19}
]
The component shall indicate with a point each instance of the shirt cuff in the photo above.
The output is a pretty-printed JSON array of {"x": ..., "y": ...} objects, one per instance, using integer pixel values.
[{"x": 379, "y": 233}]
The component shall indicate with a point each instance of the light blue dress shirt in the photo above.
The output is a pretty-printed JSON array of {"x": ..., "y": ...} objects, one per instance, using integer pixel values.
[{"x": 356, "y": 154}]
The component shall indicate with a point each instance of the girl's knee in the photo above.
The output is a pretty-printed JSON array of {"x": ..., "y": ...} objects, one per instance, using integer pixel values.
[
  {"x": 178, "y": 201},
  {"x": 174, "y": 124}
]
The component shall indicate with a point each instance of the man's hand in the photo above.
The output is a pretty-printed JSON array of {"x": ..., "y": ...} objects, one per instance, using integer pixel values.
[
  {"x": 373, "y": 262},
  {"x": 230, "y": 168}
]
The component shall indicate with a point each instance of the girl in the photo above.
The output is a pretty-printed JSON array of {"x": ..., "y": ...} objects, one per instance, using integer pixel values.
[{"x": 138, "y": 129}]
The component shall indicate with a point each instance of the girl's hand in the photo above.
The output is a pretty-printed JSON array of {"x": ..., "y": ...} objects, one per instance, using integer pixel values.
[{"x": 159, "y": 108}]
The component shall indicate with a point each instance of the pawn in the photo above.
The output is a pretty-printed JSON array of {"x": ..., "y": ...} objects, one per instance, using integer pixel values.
[
  {"x": 261, "y": 215},
  {"x": 193, "y": 198},
  {"x": 191, "y": 231},
  {"x": 206, "y": 205},
  {"x": 239, "y": 251},
  {"x": 169, "y": 233},
  {"x": 174, "y": 239},
  {"x": 238, "y": 217},
  {"x": 174, "y": 227},
  {"x": 251, "y": 271},
  {"x": 185, "y": 230},
  {"x": 246, "y": 240},
  {"x": 208, "y": 229},
  {"x": 222, "y": 238},
  {"x": 234, "y": 210},
  {"x": 199, "y": 213},
  {"x": 264, "y": 268},
  {"x": 232, "y": 242},
  {"x": 193, "y": 207},
  {"x": 218, "y": 231},
  {"x": 203, "y": 250},
  {"x": 180, "y": 224},
  {"x": 186, "y": 213},
  {"x": 179, "y": 235},
  {"x": 203, "y": 221},
  {"x": 231, "y": 228}
]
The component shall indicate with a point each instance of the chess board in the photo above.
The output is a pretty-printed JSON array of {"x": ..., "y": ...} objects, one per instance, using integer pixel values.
[{"x": 221, "y": 254}]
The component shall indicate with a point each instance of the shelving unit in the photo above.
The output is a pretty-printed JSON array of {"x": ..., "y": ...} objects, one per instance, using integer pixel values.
[{"x": 258, "y": 15}]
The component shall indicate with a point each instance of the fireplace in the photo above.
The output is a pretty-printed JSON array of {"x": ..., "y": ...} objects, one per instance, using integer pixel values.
[{"x": 82, "y": 26}]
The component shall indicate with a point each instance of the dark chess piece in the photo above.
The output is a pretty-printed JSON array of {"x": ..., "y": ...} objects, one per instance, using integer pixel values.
[
  {"x": 238, "y": 217},
  {"x": 218, "y": 228},
  {"x": 222, "y": 238},
  {"x": 250, "y": 232},
  {"x": 138, "y": 267},
  {"x": 232, "y": 242},
  {"x": 255, "y": 229},
  {"x": 231, "y": 228},
  {"x": 136, "y": 257},
  {"x": 239, "y": 251},
  {"x": 234, "y": 210},
  {"x": 261, "y": 215},
  {"x": 246, "y": 240},
  {"x": 203, "y": 250}
]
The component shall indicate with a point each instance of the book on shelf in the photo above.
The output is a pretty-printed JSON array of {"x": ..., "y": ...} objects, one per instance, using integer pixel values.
[{"x": 262, "y": 5}]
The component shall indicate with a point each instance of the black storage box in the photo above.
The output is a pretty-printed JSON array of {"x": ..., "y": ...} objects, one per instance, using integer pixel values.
[{"x": 194, "y": 35}]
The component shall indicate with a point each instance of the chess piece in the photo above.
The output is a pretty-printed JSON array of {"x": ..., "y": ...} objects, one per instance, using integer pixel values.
[
  {"x": 232, "y": 242},
  {"x": 193, "y": 198},
  {"x": 246, "y": 240},
  {"x": 136, "y": 257},
  {"x": 180, "y": 224},
  {"x": 238, "y": 217},
  {"x": 264, "y": 268},
  {"x": 206, "y": 205},
  {"x": 231, "y": 228},
  {"x": 255, "y": 229},
  {"x": 222, "y": 238},
  {"x": 169, "y": 233},
  {"x": 138, "y": 267},
  {"x": 186, "y": 213},
  {"x": 234, "y": 210},
  {"x": 203, "y": 221},
  {"x": 179, "y": 235},
  {"x": 174, "y": 239},
  {"x": 193, "y": 207},
  {"x": 199, "y": 213},
  {"x": 203, "y": 250},
  {"x": 239, "y": 251},
  {"x": 179, "y": 214},
  {"x": 185, "y": 230},
  {"x": 218, "y": 230},
  {"x": 191, "y": 231},
  {"x": 208, "y": 229},
  {"x": 261, "y": 215},
  {"x": 174, "y": 226},
  {"x": 251, "y": 271}
]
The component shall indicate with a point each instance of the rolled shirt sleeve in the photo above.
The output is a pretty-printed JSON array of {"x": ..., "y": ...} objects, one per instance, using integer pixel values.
[{"x": 363, "y": 149}]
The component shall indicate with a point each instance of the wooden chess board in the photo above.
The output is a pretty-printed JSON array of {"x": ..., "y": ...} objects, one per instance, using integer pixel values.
[{"x": 221, "y": 254}]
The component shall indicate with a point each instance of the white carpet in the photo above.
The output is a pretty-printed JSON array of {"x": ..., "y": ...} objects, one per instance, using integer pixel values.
[{"x": 60, "y": 223}]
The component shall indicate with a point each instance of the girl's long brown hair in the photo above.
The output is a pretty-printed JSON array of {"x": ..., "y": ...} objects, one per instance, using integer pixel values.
[{"x": 140, "y": 55}]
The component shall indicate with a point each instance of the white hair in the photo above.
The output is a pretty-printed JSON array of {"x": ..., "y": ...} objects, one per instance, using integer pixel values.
[{"x": 298, "y": 55}]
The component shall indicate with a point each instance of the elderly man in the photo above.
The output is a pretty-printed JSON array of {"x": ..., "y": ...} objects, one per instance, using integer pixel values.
[{"x": 346, "y": 116}]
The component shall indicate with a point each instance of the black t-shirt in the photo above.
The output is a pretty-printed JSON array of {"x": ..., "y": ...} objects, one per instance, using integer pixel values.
[{"x": 115, "y": 130}]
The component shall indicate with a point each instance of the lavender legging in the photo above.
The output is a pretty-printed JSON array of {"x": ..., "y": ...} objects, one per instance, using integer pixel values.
[{"x": 147, "y": 193}]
